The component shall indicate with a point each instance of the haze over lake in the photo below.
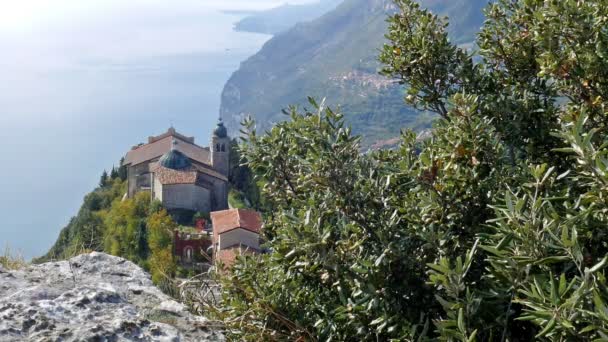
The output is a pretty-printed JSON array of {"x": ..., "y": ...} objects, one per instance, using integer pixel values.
[{"x": 84, "y": 81}]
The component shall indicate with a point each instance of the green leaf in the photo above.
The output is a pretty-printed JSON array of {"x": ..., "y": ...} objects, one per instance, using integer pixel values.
[
  {"x": 547, "y": 174},
  {"x": 461, "y": 325},
  {"x": 598, "y": 266},
  {"x": 359, "y": 269},
  {"x": 473, "y": 336},
  {"x": 548, "y": 329},
  {"x": 377, "y": 321},
  {"x": 564, "y": 175},
  {"x": 562, "y": 284},
  {"x": 552, "y": 260}
]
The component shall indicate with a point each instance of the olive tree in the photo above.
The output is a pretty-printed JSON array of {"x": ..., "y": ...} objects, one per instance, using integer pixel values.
[{"x": 492, "y": 229}]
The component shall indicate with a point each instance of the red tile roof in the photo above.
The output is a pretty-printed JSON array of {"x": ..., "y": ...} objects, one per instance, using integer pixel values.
[
  {"x": 162, "y": 144},
  {"x": 227, "y": 220},
  {"x": 209, "y": 171}
]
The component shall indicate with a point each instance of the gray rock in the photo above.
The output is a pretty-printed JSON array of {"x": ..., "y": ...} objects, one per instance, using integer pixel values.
[{"x": 93, "y": 297}]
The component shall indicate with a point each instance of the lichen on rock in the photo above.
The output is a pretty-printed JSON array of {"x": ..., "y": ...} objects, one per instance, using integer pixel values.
[{"x": 92, "y": 297}]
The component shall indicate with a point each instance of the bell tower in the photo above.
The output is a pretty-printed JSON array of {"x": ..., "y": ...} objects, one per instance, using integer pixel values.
[{"x": 220, "y": 149}]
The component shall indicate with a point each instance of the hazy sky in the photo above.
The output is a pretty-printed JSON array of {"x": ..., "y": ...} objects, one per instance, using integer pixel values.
[
  {"x": 81, "y": 81},
  {"x": 38, "y": 37},
  {"x": 19, "y": 15}
]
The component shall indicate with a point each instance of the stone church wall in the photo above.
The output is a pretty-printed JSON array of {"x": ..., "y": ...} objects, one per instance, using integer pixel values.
[
  {"x": 138, "y": 176},
  {"x": 186, "y": 196},
  {"x": 158, "y": 190},
  {"x": 220, "y": 189}
]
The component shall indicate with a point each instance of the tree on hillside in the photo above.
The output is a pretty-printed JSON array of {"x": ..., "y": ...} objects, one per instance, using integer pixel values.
[
  {"x": 103, "y": 180},
  {"x": 494, "y": 229},
  {"x": 122, "y": 170},
  {"x": 241, "y": 178},
  {"x": 160, "y": 230},
  {"x": 122, "y": 222},
  {"x": 114, "y": 173},
  {"x": 141, "y": 237}
]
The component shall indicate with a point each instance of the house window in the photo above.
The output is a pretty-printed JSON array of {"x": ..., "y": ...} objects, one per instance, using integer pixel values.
[{"x": 188, "y": 254}]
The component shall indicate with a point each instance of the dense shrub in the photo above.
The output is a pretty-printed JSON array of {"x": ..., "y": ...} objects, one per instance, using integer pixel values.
[{"x": 492, "y": 229}]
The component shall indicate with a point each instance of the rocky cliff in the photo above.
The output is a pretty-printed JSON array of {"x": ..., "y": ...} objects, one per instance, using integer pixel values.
[
  {"x": 335, "y": 56},
  {"x": 92, "y": 297}
]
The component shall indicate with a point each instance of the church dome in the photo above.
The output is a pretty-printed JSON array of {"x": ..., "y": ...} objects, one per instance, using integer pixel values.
[
  {"x": 220, "y": 131},
  {"x": 175, "y": 159}
]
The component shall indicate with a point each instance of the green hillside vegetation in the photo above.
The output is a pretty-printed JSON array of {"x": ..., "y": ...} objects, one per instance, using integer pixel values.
[
  {"x": 281, "y": 18},
  {"x": 85, "y": 231},
  {"x": 493, "y": 229},
  {"x": 335, "y": 57},
  {"x": 136, "y": 229}
]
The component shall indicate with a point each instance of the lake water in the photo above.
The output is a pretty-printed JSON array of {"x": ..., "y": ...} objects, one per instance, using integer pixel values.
[{"x": 76, "y": 94}]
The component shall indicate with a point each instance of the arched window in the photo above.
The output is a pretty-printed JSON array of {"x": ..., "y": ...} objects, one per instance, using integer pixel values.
[
  {"x": 217, "y": 148},
  {"x": 223, "y": 148},
  {"x": 188, "y": 254}
]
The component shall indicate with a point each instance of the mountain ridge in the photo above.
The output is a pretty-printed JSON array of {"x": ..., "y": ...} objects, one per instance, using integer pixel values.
[
  {"x": 279, "y": 19},
  {"x": 335, "y": 57}
]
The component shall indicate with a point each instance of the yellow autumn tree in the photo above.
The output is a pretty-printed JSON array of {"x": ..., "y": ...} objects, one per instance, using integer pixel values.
[
  {"x": 161, "y": 262},
  {"x": 121, "y": 224}
]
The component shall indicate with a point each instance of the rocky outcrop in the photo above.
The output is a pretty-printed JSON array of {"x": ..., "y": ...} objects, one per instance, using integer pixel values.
[{"x": 92, "y": 297}]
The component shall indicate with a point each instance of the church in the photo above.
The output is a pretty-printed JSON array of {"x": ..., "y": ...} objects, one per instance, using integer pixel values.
[{"x": 181, "y": 174}]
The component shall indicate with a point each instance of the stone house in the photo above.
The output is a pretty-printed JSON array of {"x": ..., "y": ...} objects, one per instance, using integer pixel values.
[
  {"x": 235, "y": 231},
  {"x": 180, "y": 173}
]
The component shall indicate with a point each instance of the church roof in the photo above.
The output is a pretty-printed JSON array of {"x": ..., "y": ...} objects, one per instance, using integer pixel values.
[
  {"x": 228, "y": 220},
  {"x": 220, "y": 131},
  {"x": 170, "y": 177},
  {"x": 175, "y": 159},
  {"x": 189, "y": 175},
  {"x": 160, "y": 145}
]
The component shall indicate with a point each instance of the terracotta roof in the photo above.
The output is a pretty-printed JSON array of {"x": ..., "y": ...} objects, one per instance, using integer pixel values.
[
  {"x": 169, "y": 176},
  {"x": 190, "y": 175},
  {"x": 209, "y": 171},
  {"x": 227, "y": 220},
  {"x": 160, "y": 145},
  {"x": 171, "y": 132}
]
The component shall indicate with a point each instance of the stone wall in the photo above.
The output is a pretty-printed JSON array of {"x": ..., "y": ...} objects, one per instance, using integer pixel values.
[
  {"x": 238, "y": 237},
  {"x": 186, "y": 196},
  {"x": 198, "y": 243},
  {"x": 220, "y": 189},
  {"x": 138, "y": 176}
]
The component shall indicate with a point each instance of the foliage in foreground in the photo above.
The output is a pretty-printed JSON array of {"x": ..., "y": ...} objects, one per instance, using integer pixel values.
[
  {"x": 492, "y": 230},
  {"x": 11, "y": 261}
]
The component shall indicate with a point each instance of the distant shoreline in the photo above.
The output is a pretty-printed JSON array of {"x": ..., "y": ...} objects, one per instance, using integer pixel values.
[{"x": 240, "y": 12}]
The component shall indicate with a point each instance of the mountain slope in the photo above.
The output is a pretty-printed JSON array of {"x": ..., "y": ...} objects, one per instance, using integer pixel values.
[
  {"x": 335, "y": 57},
  {"x": 283, "y": 17}
]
